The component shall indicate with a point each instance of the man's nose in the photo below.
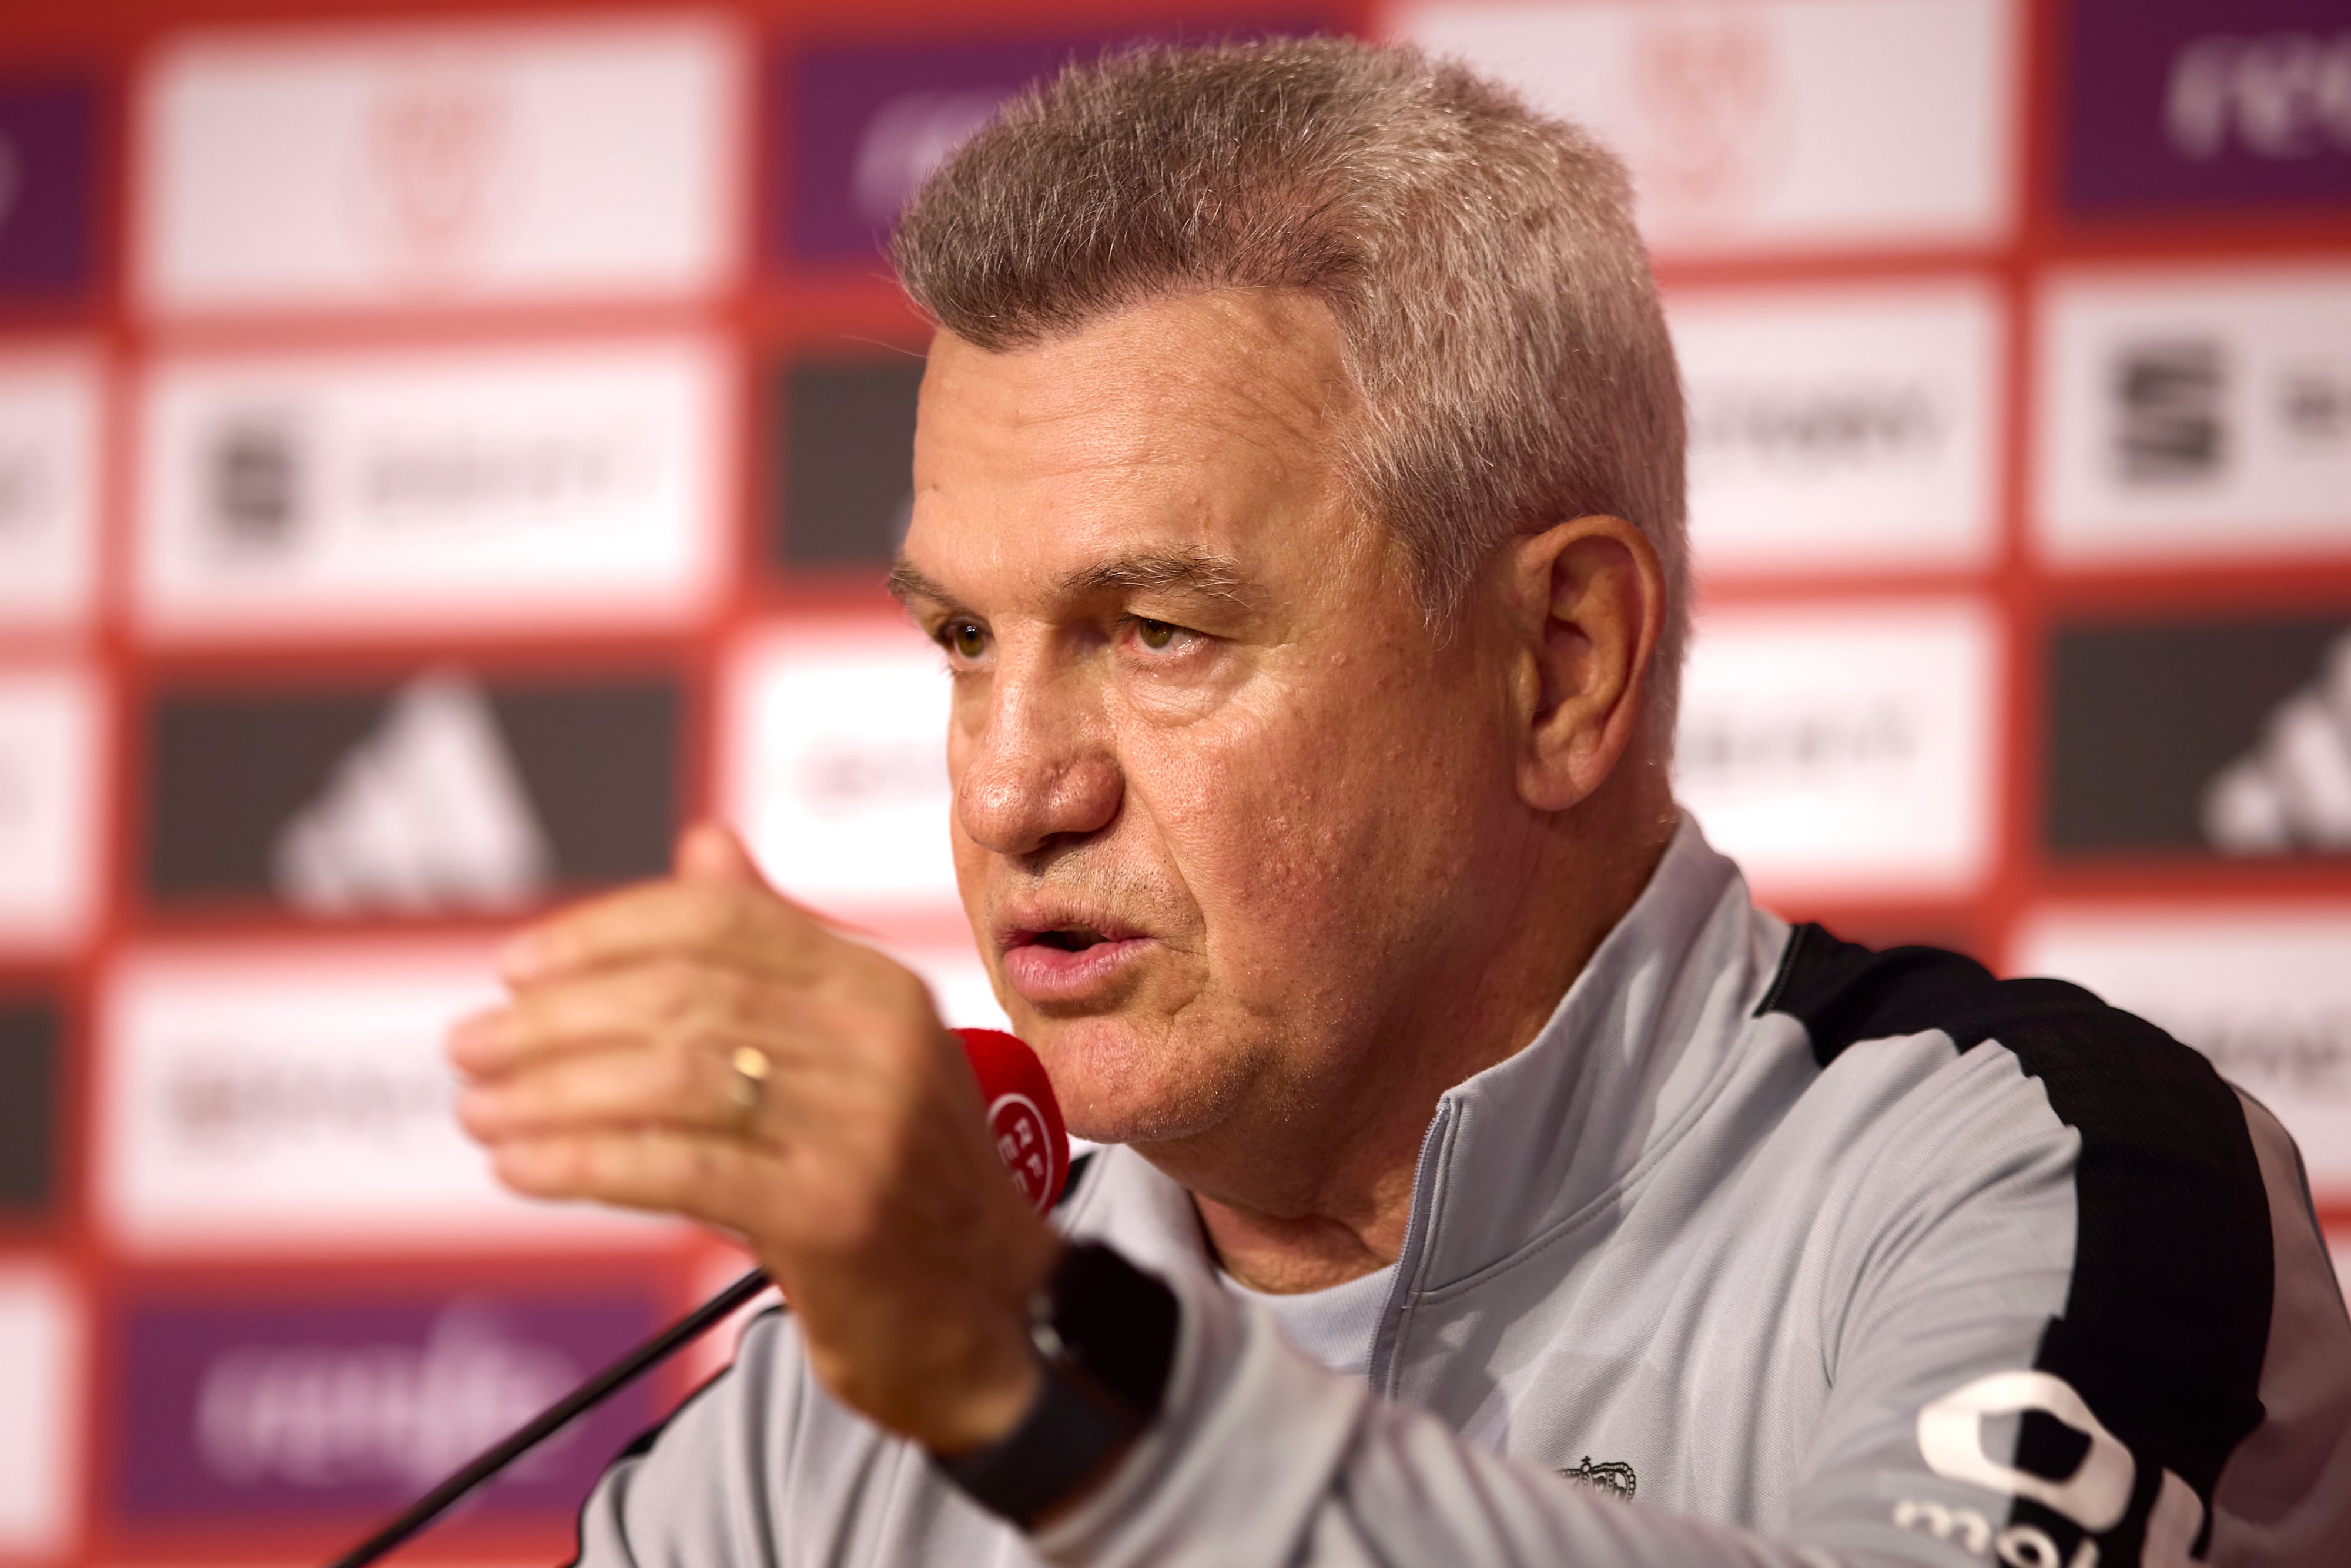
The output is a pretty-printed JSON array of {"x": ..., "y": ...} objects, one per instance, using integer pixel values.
[{"x": 1037, "y": 771}]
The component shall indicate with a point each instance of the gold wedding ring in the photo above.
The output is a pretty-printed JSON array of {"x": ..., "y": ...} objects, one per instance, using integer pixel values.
[{"x": 751, "y": 1066}]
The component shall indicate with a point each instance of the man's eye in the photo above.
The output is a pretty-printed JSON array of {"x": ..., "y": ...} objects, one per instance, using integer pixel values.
[
  {"x": 1155, "y": 636},
  {"x": 964, "y": 639}
]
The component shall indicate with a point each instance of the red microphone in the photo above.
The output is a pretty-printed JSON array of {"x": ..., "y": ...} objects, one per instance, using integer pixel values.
[
  {"x": 1023, "y": 1118},
  {"x": 1022, "y": 1115}
]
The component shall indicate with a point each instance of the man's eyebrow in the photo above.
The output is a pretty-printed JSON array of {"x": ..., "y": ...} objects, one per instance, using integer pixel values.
[
  {"x": 907, "y": 584},
  {"x": 1196, "y": 572},
  {"x": 1183, "y": 571}
]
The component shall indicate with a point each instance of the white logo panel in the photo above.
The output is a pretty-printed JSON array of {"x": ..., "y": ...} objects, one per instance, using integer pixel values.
[
  {"x": 1839, "y": 751},
  {"x": 494, "y": 490},
  {"x": 2190, "y": 416},
  {"x": 51, "y": 732},
  {"x": 295, "y": 1097},
  {"x": 40, "y": 1396},
  {"x": 409, "y": 165},
  {"x": 49, "y": 416},
  {"x": 1843, "y": 429},
  {"x": 1772, "y": 124},
  {"x": 2264, "y": 991},
  {"x": 835, "y": 763}
]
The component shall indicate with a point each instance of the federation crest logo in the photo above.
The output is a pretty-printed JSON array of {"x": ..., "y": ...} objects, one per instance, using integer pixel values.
[
  {"x": 1024, "y": 1145},
  {"x": 1713, "y": 112},
  {"x": 437, "y": 170},
  {"x": 1609, "y": 1478}
]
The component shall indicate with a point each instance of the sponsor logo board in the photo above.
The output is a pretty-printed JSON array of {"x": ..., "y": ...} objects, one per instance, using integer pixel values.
[
  {"x": 40, "y": 1371},
  {"x": 266, "y": 1097},
  {"x": 847, "y": 441},
  {"x": 2193, "y": 415},
  {"x": 836, "y": 762},
  {"x": 2182, "y": 104},
  {"x": 500, "y": 489},
  {"x": 333, "y": 1409},
  {"x": 51, "y": 802},
  {"x": 2221, "y": 737},
  {"x": 49, "y": 187},
  {"x": 1771, "y": 125},
  {"x": 398, "y": 165},
  {"x": 443, "y": 794},
  {"x": 48, "y": 487},
  {"x": 1839, "y": 751},
  {"x": 1843, "y": 429},
  {"x": 31, "y": 1051},
  {"x": 2263, "y": 991}
]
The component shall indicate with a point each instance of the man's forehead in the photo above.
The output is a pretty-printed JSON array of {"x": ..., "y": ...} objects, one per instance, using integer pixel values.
[
  {"x": 1175, "y": 447},
  {"x": 1258, "y": 368}
]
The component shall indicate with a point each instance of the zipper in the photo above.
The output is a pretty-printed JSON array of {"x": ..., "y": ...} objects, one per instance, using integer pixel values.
[{"x": 1387, "y": 1344}]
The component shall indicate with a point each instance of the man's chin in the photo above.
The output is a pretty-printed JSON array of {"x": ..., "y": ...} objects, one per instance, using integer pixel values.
[{"x": 1121, "y": 1084}]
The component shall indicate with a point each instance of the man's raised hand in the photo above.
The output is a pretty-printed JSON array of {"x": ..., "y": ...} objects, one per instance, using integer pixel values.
[{"x": 858, "y": 1169}]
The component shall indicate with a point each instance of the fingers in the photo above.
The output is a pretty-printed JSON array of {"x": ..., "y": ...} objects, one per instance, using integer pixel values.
[
  {"x": 658, "y": 1168},
  {"x": 667, "y": 997},
  {"x": 740, "y": 921},
  {"x": 693, "y": 1087},
  {"x": 710, "y": 853}
]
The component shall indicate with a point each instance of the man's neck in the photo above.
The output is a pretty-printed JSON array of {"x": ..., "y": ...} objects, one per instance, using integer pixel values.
[{"x": 1281, "y": 1219}]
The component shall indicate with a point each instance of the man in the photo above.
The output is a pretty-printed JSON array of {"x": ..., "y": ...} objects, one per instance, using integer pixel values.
[{"x": 1299, "y": 510}]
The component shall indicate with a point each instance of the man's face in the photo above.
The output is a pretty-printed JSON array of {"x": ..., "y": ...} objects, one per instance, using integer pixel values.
[{"x": 1221, "y": 798}]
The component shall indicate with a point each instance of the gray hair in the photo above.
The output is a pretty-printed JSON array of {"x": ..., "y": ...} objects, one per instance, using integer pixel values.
[{"x": 1495, "y": 302}]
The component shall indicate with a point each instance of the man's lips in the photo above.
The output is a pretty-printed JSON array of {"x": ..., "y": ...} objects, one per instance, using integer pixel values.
[{"x": 1052, "y": 961}]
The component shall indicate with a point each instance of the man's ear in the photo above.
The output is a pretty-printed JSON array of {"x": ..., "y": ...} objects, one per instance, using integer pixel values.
[{"x": 1592, "y": 599}]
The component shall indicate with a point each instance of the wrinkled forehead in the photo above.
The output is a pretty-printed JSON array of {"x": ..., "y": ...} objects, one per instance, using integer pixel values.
[{"x": 1206, "y": 421}]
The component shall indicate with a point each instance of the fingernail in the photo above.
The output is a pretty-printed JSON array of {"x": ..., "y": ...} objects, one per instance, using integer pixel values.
[
  {"x": 471, "y": 1033},
  {"x": 524, "y": 956}
]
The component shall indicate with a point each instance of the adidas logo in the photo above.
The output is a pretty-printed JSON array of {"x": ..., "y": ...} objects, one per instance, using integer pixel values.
[
  {"x": 2293, "y": 791},
  {"x": 426, "y": 813}
]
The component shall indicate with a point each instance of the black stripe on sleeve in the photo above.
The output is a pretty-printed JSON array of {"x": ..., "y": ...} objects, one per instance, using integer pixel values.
[{"x": 2168, "y": 1316}]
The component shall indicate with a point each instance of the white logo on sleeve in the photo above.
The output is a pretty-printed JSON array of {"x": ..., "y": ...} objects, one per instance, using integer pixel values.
[
  {"x": 2095, "y": 1496},
  {"x": 1950, "y": 1436}
]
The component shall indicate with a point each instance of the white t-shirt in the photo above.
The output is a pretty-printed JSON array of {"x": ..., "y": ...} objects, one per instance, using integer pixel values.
[{"x": 1334, "y": 1326}]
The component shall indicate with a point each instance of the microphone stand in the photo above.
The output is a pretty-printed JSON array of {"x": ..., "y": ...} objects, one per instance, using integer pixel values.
[{"x": 555, "y": 1418}]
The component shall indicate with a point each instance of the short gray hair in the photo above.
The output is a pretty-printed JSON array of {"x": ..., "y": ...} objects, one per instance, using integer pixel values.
[{"x": 1495, "y": 301}]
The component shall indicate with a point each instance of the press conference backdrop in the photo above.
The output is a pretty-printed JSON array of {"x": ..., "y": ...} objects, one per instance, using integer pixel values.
[{"x": 440, "y": 452}]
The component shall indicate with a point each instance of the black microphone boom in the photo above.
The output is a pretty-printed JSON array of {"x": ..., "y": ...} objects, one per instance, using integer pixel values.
[{"x": 555, "y": 1418}]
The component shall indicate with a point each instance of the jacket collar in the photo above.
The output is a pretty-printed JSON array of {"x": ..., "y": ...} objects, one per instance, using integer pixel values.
[{"x": 1627, "y": 1062}]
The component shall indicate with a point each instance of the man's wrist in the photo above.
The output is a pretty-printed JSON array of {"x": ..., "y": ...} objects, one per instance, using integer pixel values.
[
  {"x": 989, "y": 1411},
  {"x": 996, "y": 1379},
  {"x": 1103, "y": 1336}
]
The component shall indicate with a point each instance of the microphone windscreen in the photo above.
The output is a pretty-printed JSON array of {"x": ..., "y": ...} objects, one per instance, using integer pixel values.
[{"x": 1023, "y": 1117}]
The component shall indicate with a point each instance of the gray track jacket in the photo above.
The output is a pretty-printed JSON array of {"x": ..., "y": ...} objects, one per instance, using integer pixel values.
[{"x": 1769, "y": 1249}]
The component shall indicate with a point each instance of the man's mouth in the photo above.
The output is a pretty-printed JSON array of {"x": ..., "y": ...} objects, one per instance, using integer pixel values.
[
  {"x": 1068, "y": 965},
  {"x": 1070, "y": 938}
]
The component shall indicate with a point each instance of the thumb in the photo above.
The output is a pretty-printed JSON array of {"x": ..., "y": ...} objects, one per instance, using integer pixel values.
[{"x": 710, "y": 853}]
